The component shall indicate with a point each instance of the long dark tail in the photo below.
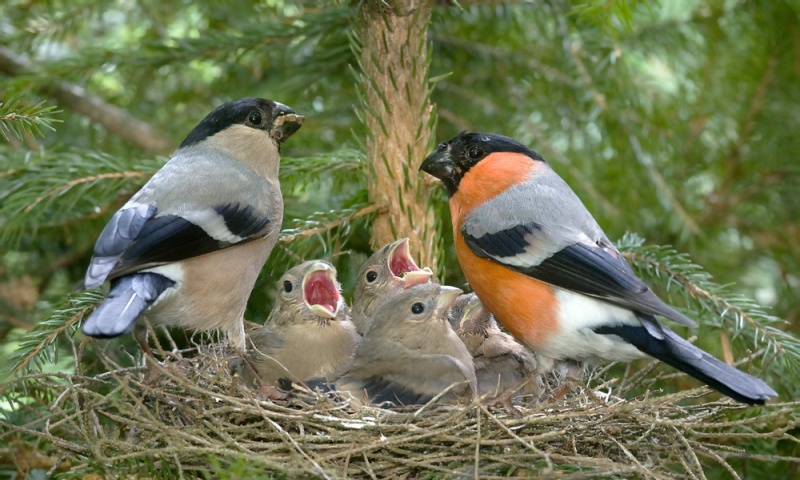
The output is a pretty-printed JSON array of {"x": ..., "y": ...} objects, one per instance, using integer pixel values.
[
  {"x": 662, "y": 343},
  {"x": 129, "y": 297}
]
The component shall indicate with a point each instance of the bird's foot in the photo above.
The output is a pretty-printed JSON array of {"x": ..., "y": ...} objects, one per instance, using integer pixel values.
[{"x": 268, "y": 392}]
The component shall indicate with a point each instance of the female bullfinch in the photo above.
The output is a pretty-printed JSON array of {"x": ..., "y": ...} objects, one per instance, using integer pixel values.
[{"x": 186, "y": 249}]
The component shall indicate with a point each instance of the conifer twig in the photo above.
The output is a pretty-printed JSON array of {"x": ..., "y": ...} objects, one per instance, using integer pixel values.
[
  {"x": 78, "y": 181},
  {"x": 288, "y": 238},
  {"x": 47, "y": 340},
  {"x": 23, "y": 122},
  {"x": 76, "y": 98},
  {"x": 700, "y": 293}
]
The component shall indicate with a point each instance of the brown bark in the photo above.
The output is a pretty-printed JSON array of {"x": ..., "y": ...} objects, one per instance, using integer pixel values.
[
  {"x": 399, "y": 118},
  {"x": 73, "y": 97}
]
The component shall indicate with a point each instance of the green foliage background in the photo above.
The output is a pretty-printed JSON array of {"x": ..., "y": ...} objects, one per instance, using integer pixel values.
[{"x": 676, "y": 120}]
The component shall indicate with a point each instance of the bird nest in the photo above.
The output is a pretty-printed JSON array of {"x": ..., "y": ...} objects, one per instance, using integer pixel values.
[{"x": 193, "y": 417}]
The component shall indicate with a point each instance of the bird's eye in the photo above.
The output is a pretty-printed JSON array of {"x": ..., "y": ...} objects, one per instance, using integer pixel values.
[
  {"x": 287, "y": 286},
  {"x": 442, "y": 146},
  {"x": 475, "y": 152},
  {"x": 417, "y": 308},
  {"x": 372, "y": 276},
  {"x": 254, "y": 118}
]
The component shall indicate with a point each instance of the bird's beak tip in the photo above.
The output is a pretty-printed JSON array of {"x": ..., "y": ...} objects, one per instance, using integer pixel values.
[
  {"x": 286, "y": 123},
  {"x": 449, "y": 296},
  {"x": 438, "y": 164}
]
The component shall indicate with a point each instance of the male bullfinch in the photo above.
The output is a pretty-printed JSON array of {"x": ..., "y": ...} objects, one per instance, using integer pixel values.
[
  {"x": 540, "y": 263},
  {"x": 186, "y": 249},
  {"x": 501, "y": 363},
  {"x": 411, "y": 354},
  {"x": 387, "y": 272},
  {"x": 307, "y": 334}
]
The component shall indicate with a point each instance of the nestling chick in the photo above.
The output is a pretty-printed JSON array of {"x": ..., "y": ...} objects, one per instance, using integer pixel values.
[
  {"x": 186, "y": 249},
  {"x": 307, "y": 334},
  {"x": 387, "y": 272},
  {"x": 411, "y": 354},
  {"x": 501, "y": 363}
]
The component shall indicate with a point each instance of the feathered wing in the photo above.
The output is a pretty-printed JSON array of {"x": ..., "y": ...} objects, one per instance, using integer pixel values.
[
  {"x": 193, "y": 222},
  {"x": 265, "y": 339},
  {"x": 569, "y": 259},
  {"x": 416, "y": 381},
  {"x": 542, "y": 229},
  {"x": 660, "y": 342},
  {"x": 128, "y": 298}
]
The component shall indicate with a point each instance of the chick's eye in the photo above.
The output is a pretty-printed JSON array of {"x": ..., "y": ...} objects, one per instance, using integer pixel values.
[
  {"x": 372, "y": 276},
  {"x": 417, "y": 308},
  {"x": 287, "y": 286},
  {"x": 475, "y": 152},
  {"x": 254, "y": 118}
]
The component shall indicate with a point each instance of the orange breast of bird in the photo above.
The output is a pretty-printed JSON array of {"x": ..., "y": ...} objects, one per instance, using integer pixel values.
[{"x": 526, "y": 307}]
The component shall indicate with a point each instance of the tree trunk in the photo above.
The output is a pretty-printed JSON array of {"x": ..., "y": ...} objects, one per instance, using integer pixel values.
[{"x": 399, "y": 118}]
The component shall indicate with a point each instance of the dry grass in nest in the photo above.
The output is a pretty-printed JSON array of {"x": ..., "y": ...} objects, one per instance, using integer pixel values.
[{"x": 117, "y": 424}]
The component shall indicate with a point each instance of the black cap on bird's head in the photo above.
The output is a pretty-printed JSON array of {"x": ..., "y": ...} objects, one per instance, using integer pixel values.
[
  {"x": 452, "y": 159},
  {"x": 277, "y": 119}
]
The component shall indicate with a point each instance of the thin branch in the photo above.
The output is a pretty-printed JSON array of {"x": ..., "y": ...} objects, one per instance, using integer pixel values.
[
  {"x": 51, "y": 336},
  {"x": 78, "y": 181},
  {"x": 757, "y": 102},
  {"x": 697, "y": 292},
  {"x": 76, "y": 98},
  {"x": 667, "y": 194},
  {"x": 330, "y": 226}
]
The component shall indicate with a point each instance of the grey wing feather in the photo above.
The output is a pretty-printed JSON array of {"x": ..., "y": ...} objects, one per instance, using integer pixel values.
[
  {"x": 115, "y": 238},
  {"x": 129, "y": 297},
  {"x": 171, "y": 219},
  {"x": 536, "y": 241},
  {"x": 416, "y": 379}
]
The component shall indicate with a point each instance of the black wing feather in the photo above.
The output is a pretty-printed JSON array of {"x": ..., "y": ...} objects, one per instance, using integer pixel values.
[
  {"x": 168, "y": 239},
  {"x": 242, "y": 220},
  {"x": 138, "y": 237},
  {"x": 380, "y": 390},
  {"x": 597, "y": 270},
  {"x": 128, "y": 299},
  {"x": 677, "y": 352},
  {"x": 589, "y": 270}
]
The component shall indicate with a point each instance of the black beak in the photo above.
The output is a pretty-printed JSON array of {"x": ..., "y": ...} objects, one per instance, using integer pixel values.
[
  {"x": 285, "y": 122},
  {"x": 439, "y": 164}
]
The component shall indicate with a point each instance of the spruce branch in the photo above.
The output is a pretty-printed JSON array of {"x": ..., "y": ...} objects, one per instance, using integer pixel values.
[
  {"x": 56, "y": 188},
  {"x": 18, "y": 120},
  {"x": 322, "y": 222},
  {"x": 611, "y": 15},
  {"x": 338, "y": 165},
  {"x": 665, "y": 261},
  {"x": 665, "y": 193},
  {"x": 216, "y": 45},
  {"x": 39, "y": 345},
  {"x": 77, "y": 99}
]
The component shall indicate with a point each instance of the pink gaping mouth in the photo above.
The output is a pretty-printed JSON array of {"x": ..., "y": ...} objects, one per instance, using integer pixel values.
[
  {"x": 404, "y": 268},
  {"x": 321, "y": 294}
]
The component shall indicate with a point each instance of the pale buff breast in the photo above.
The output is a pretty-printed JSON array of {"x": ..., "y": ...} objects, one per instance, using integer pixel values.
[
  {"x": 311, "y": 350},
  {"x": 196, "y": 302}
]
